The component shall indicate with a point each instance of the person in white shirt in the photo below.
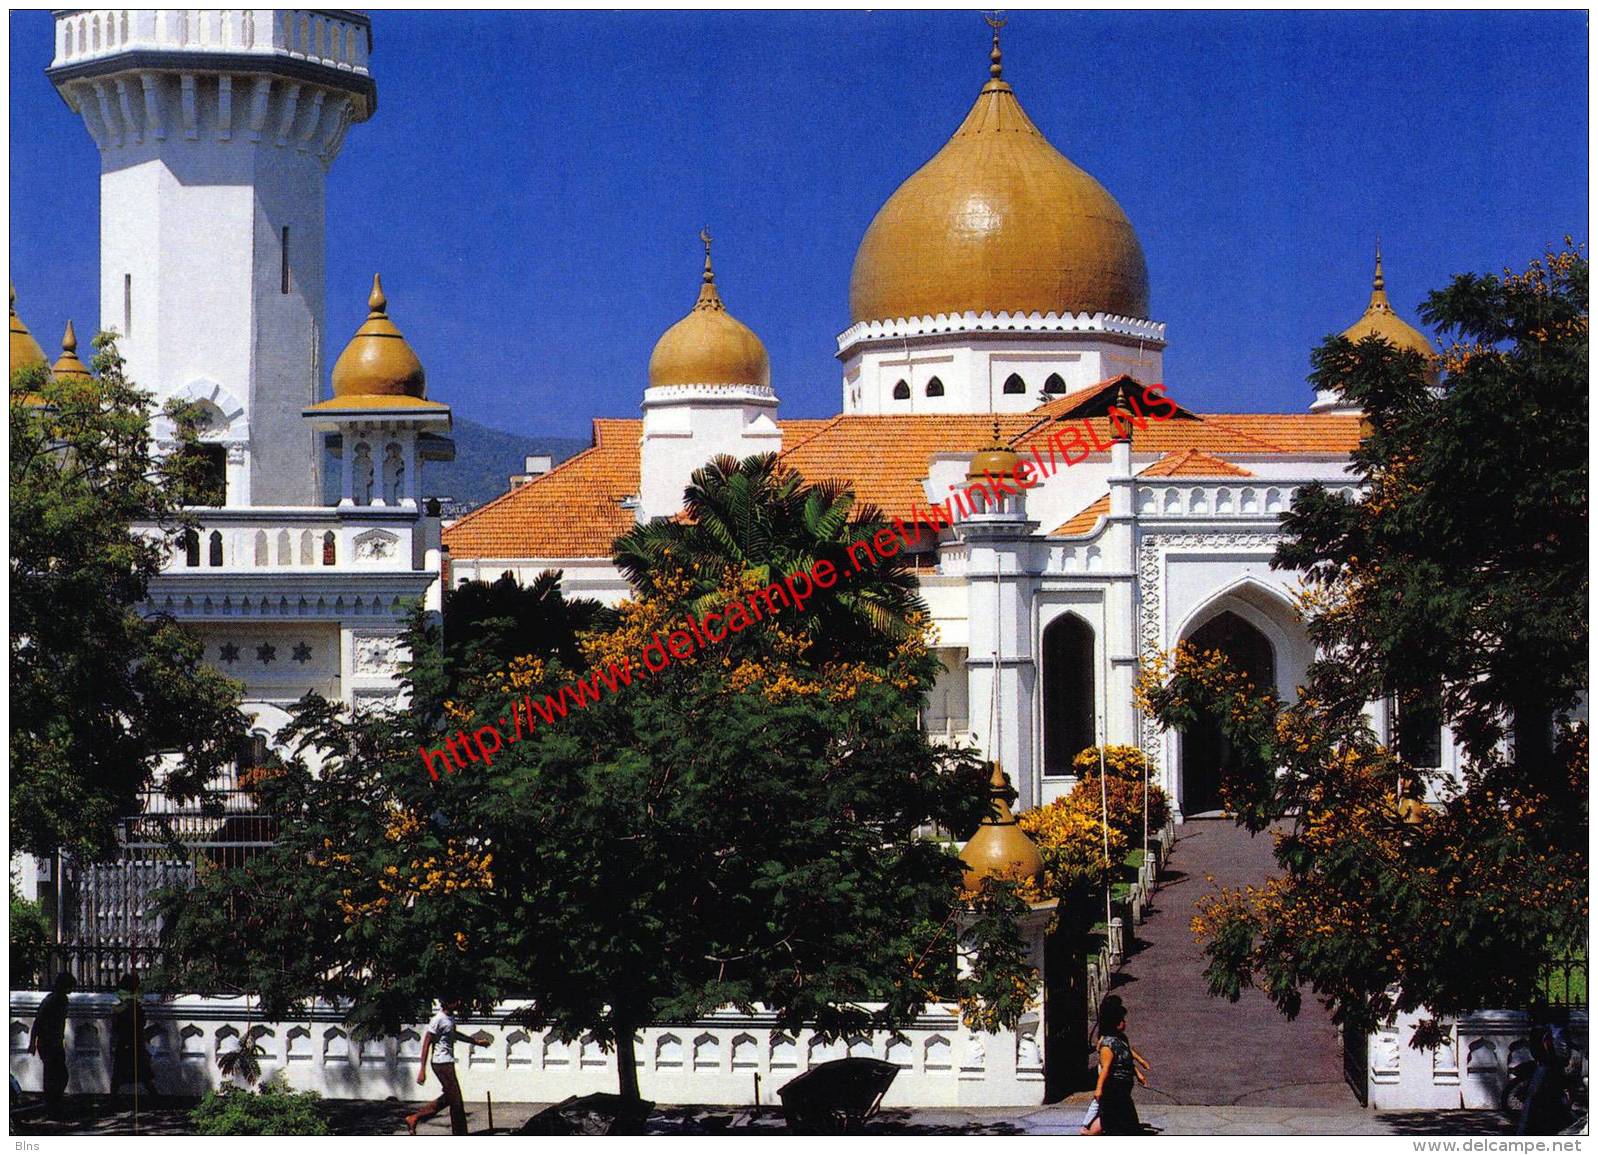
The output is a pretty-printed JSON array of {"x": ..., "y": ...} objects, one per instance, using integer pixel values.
[{"x": 438, "y": 1049}]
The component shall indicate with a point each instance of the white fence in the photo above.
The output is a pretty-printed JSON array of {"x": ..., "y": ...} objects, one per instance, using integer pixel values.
[{"x": 717, "y": 1060}]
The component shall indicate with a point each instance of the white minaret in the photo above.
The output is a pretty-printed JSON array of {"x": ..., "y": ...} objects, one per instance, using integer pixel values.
[{"x": 216, "y": 129}]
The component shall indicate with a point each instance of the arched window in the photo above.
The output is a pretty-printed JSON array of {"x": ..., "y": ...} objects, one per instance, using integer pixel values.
[
  {"x": 329, "y": 548},
  {"x": 261, "y": 557},
  {"x": 1068, "y": 692},
  {"x": 1055, "y": 384},
  {"x": 203, "y": 468},
  {"x": 191, "y": 548},
  {"x": 1014, "y": 384},
  {"x": 934, "y": 388},
  {"x": 216, "y": 547},
  {"x": 901, "y": 391}
]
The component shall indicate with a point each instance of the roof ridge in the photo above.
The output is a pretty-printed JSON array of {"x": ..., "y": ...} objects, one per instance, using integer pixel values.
[
  {"x": 1270, "y": 445},
  {"x": 510, "y": 493},
  {"x": 826, "y": 423}
]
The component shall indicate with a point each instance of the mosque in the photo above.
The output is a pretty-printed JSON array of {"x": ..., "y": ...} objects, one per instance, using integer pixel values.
[{"x": 999, "y": 295}]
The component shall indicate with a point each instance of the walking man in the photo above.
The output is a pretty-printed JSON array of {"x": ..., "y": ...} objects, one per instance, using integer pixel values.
[
  {"x": 48, "y": 1041},
  {"x": 438, "y": 1048}
]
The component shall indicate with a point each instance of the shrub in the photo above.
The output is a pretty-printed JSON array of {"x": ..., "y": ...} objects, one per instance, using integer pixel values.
[
  {"x": 30, "y": 934},
  {"x": 272, "y": 1110},
  {"x": 1070, "y": 837},
  {"x": 1124, "y": 767}
]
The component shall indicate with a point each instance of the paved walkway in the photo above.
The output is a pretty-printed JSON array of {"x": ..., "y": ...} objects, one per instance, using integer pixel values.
[
  {"x": 356, "y": 1117},
  {"x": 1206, "y": 1050}
]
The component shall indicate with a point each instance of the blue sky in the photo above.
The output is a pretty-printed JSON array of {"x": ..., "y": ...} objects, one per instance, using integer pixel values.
[{"x": 532, "y": 185}]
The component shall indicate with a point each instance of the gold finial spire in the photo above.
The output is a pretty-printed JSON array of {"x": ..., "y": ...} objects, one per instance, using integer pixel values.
[
  {"x": 68, "y": 365},
  {"x": 25, "y": 351},
  {"x": 1379, "y": 302},
  {"x": 1378, "y": 282},
  {"x": 709, "y": 298},
  {"x": 377, "y": 302},
  {"x": 996, "y": 21}
]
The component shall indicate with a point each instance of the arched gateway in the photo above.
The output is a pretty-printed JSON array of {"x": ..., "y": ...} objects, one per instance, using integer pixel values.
[{"x": 1205, "y": 750}]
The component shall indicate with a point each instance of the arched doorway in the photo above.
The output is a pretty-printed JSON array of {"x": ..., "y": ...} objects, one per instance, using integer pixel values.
[
  {"x": 1205, "y": 750},
  {"x": 1068, "y": 692}
]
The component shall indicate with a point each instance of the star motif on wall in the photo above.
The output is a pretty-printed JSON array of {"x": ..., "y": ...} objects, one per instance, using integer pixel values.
[
  {"x": 266, "y": 653},
  {"x": 230, "y": 652},
  {"x": 302, "y": 652}
]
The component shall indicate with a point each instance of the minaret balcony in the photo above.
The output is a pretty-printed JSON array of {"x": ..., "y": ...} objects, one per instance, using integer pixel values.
[{"x": 336, "y": 40}]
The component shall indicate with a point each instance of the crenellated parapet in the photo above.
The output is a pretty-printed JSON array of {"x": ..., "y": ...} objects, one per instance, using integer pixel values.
[{"x": 292, "y": 79}]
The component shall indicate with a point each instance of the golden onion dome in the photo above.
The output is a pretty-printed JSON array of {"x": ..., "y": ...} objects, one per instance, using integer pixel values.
[
  {"x": 1000, "y": 849},
  {"x": 997, "y": 459},
  {"x": 1379, "y": 320},
  {"x": 709, "y": 346},
  {"x": 378, "y": 366},
  {"x": 26, "y": 352},
  {"x": 998, "y": 220},
  {"x": 68, "y": 367}
]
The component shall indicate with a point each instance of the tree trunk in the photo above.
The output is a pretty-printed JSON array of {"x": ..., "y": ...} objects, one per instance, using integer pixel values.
[{"x": 627, "y": 1063}]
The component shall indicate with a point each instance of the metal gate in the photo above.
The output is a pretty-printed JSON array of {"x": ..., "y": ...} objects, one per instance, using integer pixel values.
[{"x": 108, "y": 917}]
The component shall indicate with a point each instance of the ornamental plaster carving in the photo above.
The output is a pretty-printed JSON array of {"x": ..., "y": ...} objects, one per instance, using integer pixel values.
[
  {"x": 1151, "y": 602},
  {"x": 375, "y": 545},
  {"x": 377, "y": 653}
]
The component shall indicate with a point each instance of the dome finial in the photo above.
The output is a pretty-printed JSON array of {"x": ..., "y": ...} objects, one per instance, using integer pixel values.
[
  {"x": 996, "y": 21},
  {"x": 25, "y": 351},
  {"x": 377, "y": 302},
  {"x": 709, "y": 297},
  {"x": 69, "y": 366},
  {"x": 1378, "y": 282}
]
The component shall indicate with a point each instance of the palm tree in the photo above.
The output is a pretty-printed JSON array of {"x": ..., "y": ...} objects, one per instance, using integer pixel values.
[{"x": 757, "y": 520}]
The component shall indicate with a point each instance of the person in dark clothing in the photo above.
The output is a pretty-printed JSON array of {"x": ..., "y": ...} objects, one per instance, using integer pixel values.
[
  {"x": 1547, "y": 1110},
  {"x": 48, "y": 1040},
  {"x": 1117, "y": 1071},
  {"x": 130, "y": 1059}
]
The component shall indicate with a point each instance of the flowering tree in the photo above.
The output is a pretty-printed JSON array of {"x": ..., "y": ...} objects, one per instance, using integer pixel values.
[
  {"x": 739, "y": 827},
  {"x": 1457, "y": 590}
]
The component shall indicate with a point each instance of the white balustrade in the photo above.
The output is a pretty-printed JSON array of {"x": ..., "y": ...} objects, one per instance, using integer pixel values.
[
  {"x": 719, "y": 1059},
  {"x": 334, "y": 40}
]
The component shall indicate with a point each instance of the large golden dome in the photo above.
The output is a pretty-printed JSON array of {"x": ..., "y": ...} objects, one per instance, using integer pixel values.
[
  {"x": 709, "y": 346},
  {"x": 1379, "y": 320},
  {"x": 999, "y": 220},
  {"x": 26, "y": 352},
  {"x": 378, "y": 363}
]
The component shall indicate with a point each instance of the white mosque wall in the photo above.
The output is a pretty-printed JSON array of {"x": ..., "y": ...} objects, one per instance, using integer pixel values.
[
  {"x": 974, "y": 367},
  {"x": 581, "y": 577},
  {"x": 717, "y": 1060},
  {"x": 686, "y": 425}
]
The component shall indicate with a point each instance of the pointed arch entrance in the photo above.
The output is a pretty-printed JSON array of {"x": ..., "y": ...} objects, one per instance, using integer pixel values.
[{"x": 1205, "y": 750}]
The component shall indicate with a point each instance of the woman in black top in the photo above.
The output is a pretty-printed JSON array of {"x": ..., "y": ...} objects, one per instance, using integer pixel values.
[{"x": 1117, "y": 1070}]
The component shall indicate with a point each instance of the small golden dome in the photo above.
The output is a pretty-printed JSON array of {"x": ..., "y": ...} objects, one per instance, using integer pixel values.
[
  {"x": 709, "y": 346},
  {"x": 25, "y": 351},
  {"x": 998, "y": 459},
  {"x": 1000, "y": 849},
  {"x": 1379, "y": 320},
  {"x": 378, "y": 363},
  {"x": 68, "y": 367},
  {"x": 998, "y": 220}
]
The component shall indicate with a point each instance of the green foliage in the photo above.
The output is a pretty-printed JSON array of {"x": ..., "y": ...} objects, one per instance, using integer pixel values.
[
  {"x": 30, "y": 935},
  {"x": 271, "y": 1110},
  {"x": 1126, "y": 771},
  {"x": 737, "y": 828},
  {"x": 761, "y": 522},
  {"x": 1457, "y": 585},
  {"x": 99, "y": 691}
]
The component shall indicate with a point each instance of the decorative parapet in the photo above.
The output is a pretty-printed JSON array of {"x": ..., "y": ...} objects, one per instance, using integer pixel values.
[
  {"x": 717, "y": 1059},
  {"x": 1149, "y": 332},
  {"x": 1469, "y": 1070},
  {"x": 1211, "y": 500},
  {"x": 338, "y": 40}
]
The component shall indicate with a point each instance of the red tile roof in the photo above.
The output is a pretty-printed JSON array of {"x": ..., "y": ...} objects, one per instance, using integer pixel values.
[{"x": 575, "y": 509}]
